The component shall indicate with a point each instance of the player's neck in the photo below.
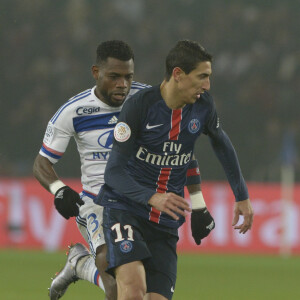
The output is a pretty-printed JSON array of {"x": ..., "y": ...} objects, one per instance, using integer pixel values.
[{"x": 170, "y": 94}]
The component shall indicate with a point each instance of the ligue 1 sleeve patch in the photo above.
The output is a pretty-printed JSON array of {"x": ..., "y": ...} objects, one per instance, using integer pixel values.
[
  {"x": 122, "y": 132},
  {"x": 48, "y": 134}
]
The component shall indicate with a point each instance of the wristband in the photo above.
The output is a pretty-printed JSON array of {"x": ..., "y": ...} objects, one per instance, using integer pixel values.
[
  {"x": 197, "y": 200},
  {"x": 55, "y": 186}
]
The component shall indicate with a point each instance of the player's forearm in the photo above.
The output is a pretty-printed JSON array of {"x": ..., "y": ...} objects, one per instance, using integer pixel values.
[
  {"x": 227, "y": 156},
  {"x": 193, "y": 185},
  {"x": 43, "y": 171},
  {"x": 194, "y": 188}
]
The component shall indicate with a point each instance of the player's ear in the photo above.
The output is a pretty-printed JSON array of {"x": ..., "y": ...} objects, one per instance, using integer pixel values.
[
  {"x": 177, "y": 74},
  {"x": 95, "y": 72}
]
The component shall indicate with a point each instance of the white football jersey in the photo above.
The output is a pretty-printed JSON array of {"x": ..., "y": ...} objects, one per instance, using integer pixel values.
[{"x": 91, "y": 122}]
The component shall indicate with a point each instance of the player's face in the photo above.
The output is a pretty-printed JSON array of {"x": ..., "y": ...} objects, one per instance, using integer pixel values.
[
  {"x": 195, "y": 83},
  {"x": 113, "y": 80}
]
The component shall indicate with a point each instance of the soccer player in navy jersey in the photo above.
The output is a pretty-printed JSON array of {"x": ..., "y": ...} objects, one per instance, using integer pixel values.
[
  {"x": 90, "y": 117},
  {"x": 145, "y": 175}
]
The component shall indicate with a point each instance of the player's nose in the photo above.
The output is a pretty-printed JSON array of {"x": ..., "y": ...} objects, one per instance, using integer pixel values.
[
  {"x": 122, "y": 83},
  {"x": 206, "y": 84}
]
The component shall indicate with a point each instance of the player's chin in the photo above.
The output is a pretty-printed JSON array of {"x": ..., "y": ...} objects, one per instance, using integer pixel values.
[
  {"x": 193, "y": 100},
  {"x": 117, "y": 100}
]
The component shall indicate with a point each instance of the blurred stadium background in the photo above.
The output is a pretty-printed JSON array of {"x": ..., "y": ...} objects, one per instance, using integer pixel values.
[{"x": 47, "y": 49}]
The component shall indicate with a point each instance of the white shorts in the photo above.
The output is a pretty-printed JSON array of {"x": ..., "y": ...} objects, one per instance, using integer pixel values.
[{"x": 89, "y": 222}]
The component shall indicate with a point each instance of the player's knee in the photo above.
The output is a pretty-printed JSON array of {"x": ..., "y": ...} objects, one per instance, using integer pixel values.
[
  {"x": 111, "y": 289},
  {"x": 132, "y": 292},
  {"x": 101, "y": 262},
  {"x": 109, "y": 282}
]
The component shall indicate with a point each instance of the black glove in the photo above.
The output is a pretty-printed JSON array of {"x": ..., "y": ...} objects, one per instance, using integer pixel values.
[
  {"x": 202, "y": 223},
  {"x": 67, "y": 202}
]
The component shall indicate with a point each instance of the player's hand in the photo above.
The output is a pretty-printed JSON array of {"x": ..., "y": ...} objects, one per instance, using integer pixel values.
[
  {"x": 170, "y": 203},
  {"x": 67, "y": 202},
  {"x": 243, "y": 208},
  {"x": 202, "y": 223}
]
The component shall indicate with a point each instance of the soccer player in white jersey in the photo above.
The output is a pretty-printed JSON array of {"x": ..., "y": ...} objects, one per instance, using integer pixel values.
[{"x": 90, "y": 118}]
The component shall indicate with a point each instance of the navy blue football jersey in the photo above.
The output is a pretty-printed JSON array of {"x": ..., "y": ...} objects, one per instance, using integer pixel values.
[{"x": 153, "y": 146}]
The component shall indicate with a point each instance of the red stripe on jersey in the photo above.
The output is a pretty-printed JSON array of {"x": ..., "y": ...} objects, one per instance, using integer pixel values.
[
  {"x": 162, "y": 182},
  {"x": 154, "y": 215},
  {"x": 176, "y": 120},
  {"x": 52, "y": 150},
  {"x": 192, "y": 172}
]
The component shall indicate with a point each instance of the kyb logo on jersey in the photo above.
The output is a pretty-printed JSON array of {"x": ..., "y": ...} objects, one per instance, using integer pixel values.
[{"x": 87, "y": 110}]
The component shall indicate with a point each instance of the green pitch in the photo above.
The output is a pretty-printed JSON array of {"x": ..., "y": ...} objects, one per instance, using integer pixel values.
[{"x": 26, "y": 275}]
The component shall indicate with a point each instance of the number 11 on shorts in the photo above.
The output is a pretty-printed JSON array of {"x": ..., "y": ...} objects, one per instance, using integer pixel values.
[{"x": 117, "y": 228}]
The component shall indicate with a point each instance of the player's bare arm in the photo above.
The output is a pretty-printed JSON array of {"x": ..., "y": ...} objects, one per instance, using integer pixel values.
[
  {"x": 243, "y": 208},
  {"x": 44, "y": 172},
  {"x": 170, "y": 203},
  {"x": 66, "y": 200}
]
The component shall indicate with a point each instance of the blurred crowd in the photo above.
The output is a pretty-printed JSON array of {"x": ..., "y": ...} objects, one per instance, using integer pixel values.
[{"x": 48, "y": 47}]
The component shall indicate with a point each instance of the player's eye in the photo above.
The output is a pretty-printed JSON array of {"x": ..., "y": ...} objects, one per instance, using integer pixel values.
[{"x": 129, "y": 77}]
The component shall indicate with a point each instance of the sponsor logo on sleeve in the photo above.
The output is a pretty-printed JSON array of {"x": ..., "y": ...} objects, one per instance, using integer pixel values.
[
  {"x": 122, "y": 132},
  {"x": 48, "y": 134}
]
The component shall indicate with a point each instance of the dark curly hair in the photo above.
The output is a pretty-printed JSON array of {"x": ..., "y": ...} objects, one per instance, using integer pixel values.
[{"x": 114, "y": 48}]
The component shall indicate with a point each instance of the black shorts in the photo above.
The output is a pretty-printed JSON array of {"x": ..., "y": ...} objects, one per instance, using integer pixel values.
[{"x": 131, "y": 238}]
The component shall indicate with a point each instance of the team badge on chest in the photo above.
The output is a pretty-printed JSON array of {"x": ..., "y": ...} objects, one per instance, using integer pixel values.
[{"x": 194, "y": 126}]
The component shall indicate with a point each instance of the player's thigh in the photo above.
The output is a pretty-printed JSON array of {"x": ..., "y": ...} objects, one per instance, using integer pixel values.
[
  {"x": 132, "y": 277},
  {"x": 124, "y": 238},
  {"x": 89, "y": 222}
]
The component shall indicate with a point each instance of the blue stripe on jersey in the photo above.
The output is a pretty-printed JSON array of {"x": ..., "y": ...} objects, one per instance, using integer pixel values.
[
  {"x": 87, "y": 123},
  {"x": 50, "y": 153},
  {"x": 71, "y": 101},
  {"x": 89, "y": 195}
]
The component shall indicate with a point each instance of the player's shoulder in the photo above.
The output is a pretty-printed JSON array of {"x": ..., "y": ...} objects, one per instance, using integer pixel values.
[
  {"x": 206, "y": 100},
  {"x": 139, "y": 86},
  {"x": 206, "y": 97},
  {"x": 81, "y": 99},
  {"x": 146, "y": 95}
]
